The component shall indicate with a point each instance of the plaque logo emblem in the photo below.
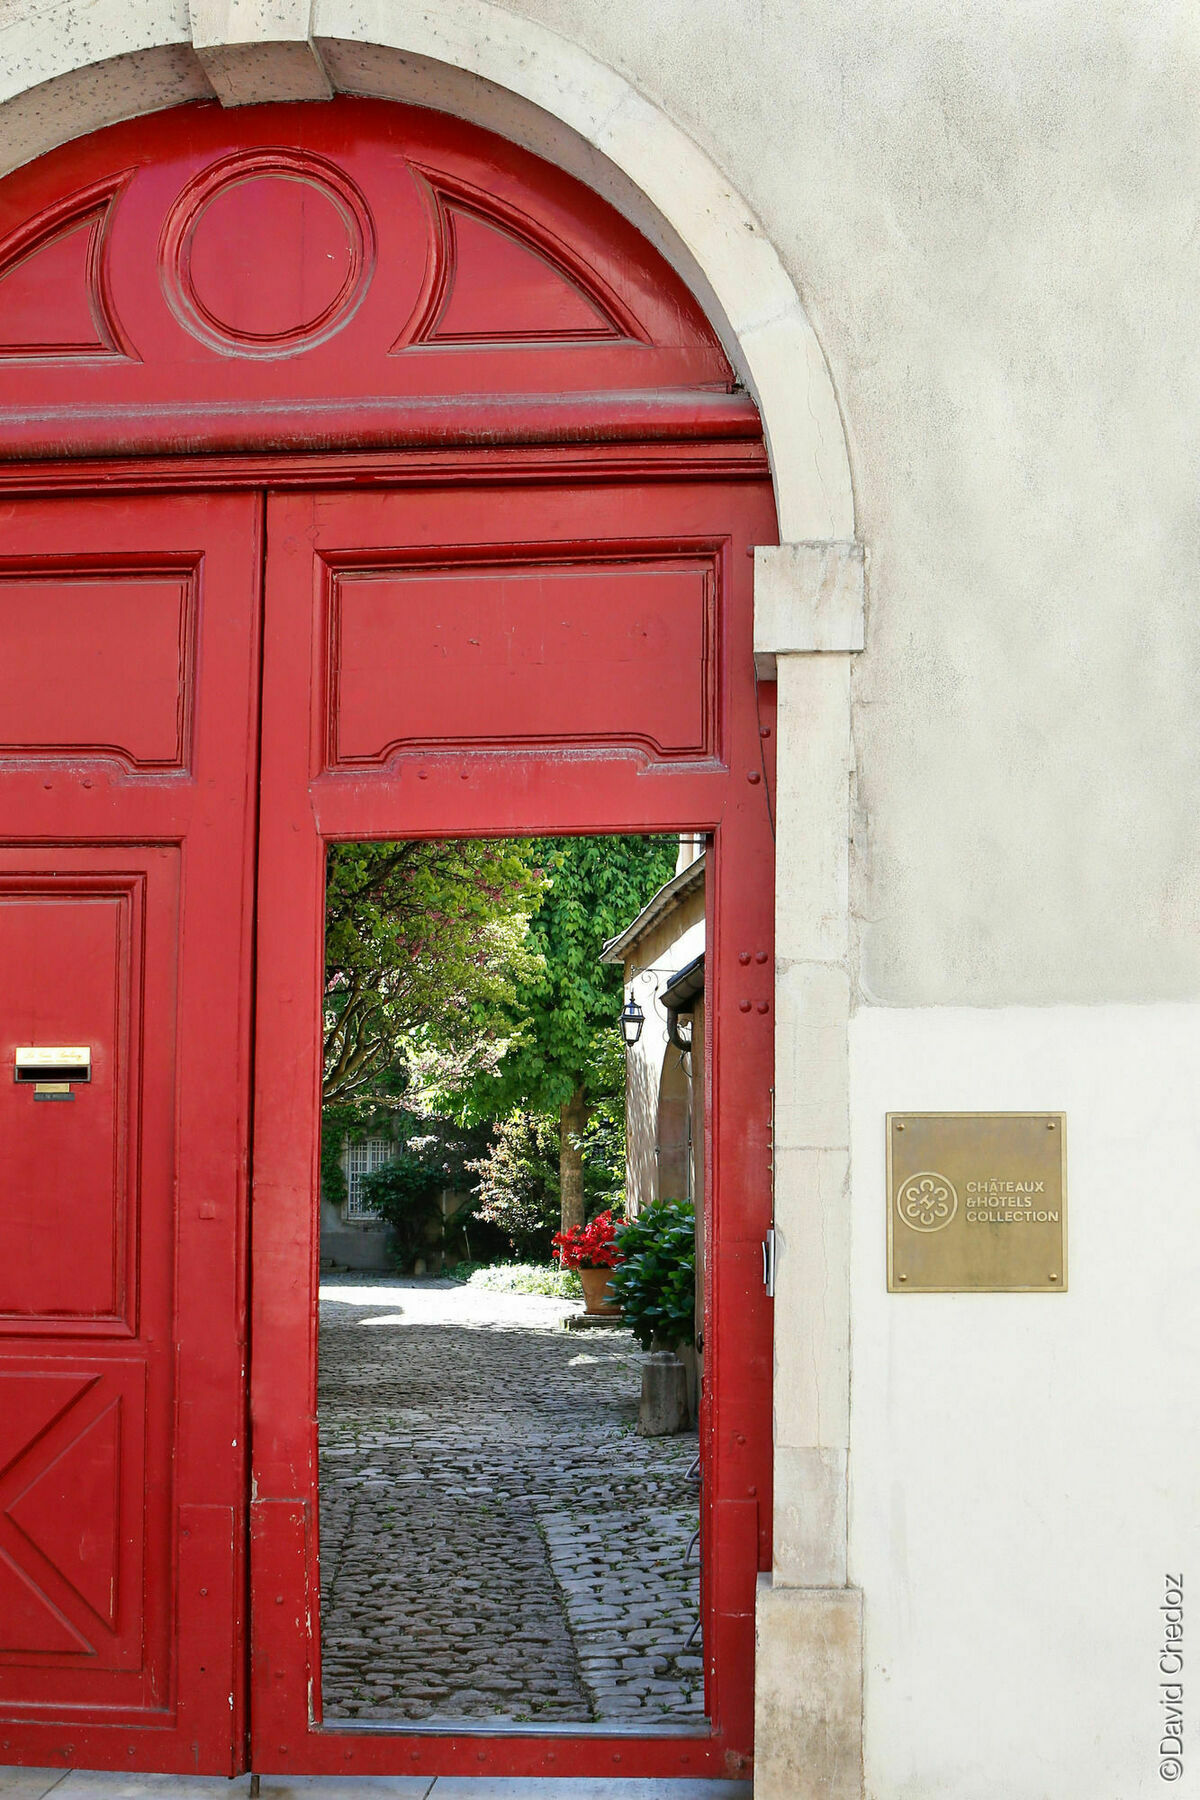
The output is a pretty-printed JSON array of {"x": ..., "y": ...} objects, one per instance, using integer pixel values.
[{"x": 927, "y": 1201}]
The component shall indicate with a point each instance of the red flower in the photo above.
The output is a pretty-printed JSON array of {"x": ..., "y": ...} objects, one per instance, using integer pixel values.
[{"x": 590, "y": 1246}]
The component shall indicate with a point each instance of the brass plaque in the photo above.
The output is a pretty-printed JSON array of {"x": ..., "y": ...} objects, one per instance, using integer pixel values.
[{"x": 977, "y": 1203}]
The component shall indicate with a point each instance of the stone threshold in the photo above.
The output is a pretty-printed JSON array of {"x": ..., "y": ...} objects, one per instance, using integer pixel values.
[{"x": 80, "y": 1784}]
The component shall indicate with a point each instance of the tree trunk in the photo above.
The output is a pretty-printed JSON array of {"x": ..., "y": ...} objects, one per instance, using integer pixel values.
[{"x": 572, "y": 1118}]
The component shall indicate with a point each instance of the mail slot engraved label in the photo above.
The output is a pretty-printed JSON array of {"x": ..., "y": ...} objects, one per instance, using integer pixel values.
[
  {"x": 976, "y": 1202},
  {"x": 58, "y": 1062}
]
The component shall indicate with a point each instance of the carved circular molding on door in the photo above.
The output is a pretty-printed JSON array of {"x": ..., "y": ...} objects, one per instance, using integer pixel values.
[
  {"x": 927, "y": 1201},
  {"x": 267, "y": 253}
]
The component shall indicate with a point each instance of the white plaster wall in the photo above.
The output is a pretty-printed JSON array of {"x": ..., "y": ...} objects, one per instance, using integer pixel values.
[
  {"x": 1025, "y": 1469},
  {"x": 990, "y": 213}
]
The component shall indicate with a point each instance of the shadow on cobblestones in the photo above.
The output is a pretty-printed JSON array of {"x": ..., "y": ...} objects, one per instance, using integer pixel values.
[{"x": 497, "y": 1543}]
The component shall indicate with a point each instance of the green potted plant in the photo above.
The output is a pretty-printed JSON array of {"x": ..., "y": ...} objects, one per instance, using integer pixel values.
[
  {"x": 655, "y": 1285},
  {"x": 655, "y": 1282}
]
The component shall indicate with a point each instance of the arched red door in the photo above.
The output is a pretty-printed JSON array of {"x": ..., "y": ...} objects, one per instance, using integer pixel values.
[{"x": 429, "y": 411}]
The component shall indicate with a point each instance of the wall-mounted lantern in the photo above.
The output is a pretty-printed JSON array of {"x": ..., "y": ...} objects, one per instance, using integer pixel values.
[{"x": 631, "y": 1021}]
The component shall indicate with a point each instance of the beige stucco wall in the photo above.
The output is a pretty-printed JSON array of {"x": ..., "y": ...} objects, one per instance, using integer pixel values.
[
  {"x": 664, "y": 949},
  {"x": 989, "y": 211}
]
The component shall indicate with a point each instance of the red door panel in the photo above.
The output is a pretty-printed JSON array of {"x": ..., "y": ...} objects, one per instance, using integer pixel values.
[
  {"x": 75, "y": 1519},
  {"x": 120, "y": 644},
  {"x": 537, "y": 648},
  {"x": 128, "y": 682},
  {"x": 494, "y": 661},
  {"x": 66, "y": 969}
]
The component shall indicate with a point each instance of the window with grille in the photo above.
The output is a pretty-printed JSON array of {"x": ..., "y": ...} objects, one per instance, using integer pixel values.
[{"x": 363, "y": 1159}]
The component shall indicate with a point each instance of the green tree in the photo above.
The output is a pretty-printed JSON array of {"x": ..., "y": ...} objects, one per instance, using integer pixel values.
[
  {"x": 517, "y": 1175},
  {"x": 517, "y": 1182},
  {"x": 427, "y": 949},
  {"x": 561, "y": 1050},
  {"x": 428, "y": 1156}
]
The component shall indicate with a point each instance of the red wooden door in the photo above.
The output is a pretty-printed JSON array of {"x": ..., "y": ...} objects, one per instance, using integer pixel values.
[
  {"x": 490, "y": 660},
  {"x": 466, "y": 658},
  {"x": 128, "y": 696}
]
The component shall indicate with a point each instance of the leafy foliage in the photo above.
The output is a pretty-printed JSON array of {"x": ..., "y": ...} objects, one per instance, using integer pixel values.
[
  {"x": 518, "y": 1182},
  {"x": 602, "y": 1140},
  {"x": 405, "y": 1193},
  {"x": 429, "y": 1156},
  {"x": 561, "y": 1049},
  {"x": 518, "y": 1174},
  {"x": 655, "y": 1283},
  {"x": 463, "y": 979},
  {"x": 366, "y": 1115},
  {"x": 565, "y": 999},
  {"x": 528, "y": 1278},
  {"x": 427, "y": 947},
  {"x": 337, "y": 1124}
]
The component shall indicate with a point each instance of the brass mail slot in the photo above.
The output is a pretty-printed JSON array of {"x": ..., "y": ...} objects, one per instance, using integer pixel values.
[{"x": 52, "y": 1068}]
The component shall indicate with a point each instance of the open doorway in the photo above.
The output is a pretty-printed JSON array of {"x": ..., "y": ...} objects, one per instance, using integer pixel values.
[{"x": 510, "y": 1481}]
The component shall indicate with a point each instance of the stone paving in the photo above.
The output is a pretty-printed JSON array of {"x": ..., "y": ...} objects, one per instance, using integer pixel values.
[
  {"x": 497, "y": 1543},
  {"x": 80, "y": 1784}
]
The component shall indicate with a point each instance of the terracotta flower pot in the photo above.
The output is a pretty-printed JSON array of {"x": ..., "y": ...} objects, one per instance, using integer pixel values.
[{"x": 598, "y": 1296}]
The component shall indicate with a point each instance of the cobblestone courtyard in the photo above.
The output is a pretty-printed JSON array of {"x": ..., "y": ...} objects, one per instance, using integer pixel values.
[{"x": 497, "y": 1542}]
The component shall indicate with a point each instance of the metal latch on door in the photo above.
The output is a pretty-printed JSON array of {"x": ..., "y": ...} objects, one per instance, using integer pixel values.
[
  {"x": 768, "y": 1251},
  {"x": 53, "y": 1069}
]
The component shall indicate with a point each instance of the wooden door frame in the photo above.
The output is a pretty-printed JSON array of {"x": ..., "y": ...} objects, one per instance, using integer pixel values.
[{"x": 431, "y": 793}]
